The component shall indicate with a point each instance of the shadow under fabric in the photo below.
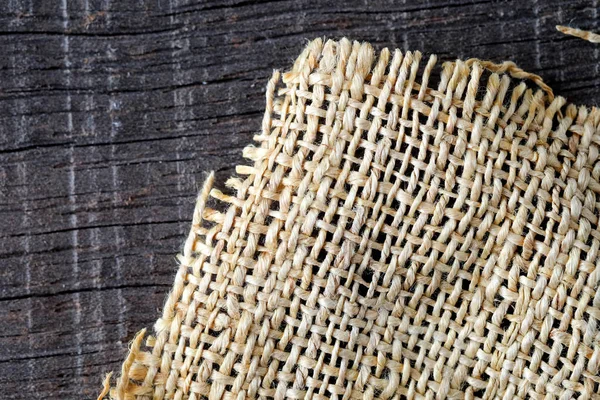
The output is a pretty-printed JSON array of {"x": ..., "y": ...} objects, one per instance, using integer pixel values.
[{"x": 390, "y": 240}]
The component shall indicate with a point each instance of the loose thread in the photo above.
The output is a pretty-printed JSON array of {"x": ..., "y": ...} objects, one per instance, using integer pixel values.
[
  {"x": 105, "y": 386},
  {"x": 585, "y": 35},
  {"x": 123, "y": 381},
  {"x": 513, "y": 70}
]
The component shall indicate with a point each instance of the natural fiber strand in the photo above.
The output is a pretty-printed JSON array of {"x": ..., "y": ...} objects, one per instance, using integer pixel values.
[
  {"x": 105, "y": 386},
  {"x": 391, "y": 240},
  {"x": 585, "y": 35}
]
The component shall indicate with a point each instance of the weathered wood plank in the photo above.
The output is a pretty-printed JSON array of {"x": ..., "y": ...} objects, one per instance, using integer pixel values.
[{"x": 112, "y": 112}]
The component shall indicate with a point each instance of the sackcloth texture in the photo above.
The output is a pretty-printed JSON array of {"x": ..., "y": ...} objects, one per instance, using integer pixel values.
[{"x": 401, "y": 230}]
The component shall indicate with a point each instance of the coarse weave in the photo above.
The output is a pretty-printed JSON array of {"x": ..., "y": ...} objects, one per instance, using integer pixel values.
[{"x": 391, "y": 240}]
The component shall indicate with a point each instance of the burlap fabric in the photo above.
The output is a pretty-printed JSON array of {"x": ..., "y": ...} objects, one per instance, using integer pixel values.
[{"x": 390, "y": 239}]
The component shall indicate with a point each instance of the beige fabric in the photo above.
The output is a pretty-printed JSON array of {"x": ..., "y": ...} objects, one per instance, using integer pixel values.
[{"x": 390, "y": 239}]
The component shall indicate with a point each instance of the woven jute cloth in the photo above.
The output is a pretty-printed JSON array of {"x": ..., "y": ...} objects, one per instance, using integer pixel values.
[{"x": 402, "y": 230}]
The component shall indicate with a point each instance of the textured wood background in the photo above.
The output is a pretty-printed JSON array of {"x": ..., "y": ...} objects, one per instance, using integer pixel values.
[{"x": 112, "y": 112}]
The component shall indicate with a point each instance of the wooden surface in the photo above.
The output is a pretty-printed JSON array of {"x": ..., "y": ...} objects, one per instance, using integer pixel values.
[{"x": 112, "y": 112}]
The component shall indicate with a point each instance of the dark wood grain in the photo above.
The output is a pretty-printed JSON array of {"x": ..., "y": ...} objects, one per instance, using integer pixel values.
[{"x": 111, "y": 112}]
